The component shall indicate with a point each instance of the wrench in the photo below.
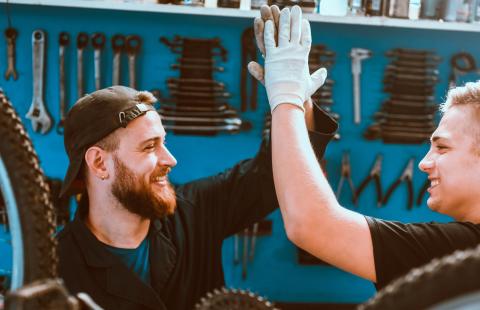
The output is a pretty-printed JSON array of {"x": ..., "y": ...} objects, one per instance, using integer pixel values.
[
  {"x": 357, "y": 55},
  {"x": 63, "y": 41},
  {"x": 37, "y": 113},
  {"x": 118, "y": 46},
  {"x": 11, "y": 35},
  {"x": 82, "y": 42},
  {"x": 98, "y": 43},
  {"x": 133, "y": 45}
]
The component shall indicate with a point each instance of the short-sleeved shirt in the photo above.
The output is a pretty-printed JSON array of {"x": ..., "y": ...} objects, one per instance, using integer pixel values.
[{"x": 399, "y": 247}]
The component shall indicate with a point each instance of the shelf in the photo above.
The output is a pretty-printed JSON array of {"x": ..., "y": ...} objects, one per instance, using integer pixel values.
[{"x": 236, "y": 13}]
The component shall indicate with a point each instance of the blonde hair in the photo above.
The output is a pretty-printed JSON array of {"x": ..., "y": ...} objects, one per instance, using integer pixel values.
[{"x": 463, "y": 95}]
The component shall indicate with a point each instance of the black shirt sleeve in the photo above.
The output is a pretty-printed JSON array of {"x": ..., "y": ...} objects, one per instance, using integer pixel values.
[
  {"x": 399, "y": 247},
  {"x": 244, "y": 194}
]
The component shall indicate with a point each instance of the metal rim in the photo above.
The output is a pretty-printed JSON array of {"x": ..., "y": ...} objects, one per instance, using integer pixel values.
[{"x": 16, "y": 237}]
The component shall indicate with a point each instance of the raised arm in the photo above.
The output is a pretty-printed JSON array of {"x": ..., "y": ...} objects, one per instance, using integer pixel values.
[{"x": 313, "y": 218}]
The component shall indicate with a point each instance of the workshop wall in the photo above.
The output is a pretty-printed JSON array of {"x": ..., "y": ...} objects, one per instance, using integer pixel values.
[{"x": 274, "y": 272}]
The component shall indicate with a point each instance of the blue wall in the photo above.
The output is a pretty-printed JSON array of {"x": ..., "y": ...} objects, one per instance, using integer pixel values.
[{"x": 274, "y": 272}]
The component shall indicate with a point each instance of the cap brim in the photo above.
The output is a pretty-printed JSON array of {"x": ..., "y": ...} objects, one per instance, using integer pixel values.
[{"x": 71, "y": 176}]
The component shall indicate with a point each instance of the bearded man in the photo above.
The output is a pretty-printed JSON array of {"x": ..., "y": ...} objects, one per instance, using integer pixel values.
[{"x": 136, "y": 242}]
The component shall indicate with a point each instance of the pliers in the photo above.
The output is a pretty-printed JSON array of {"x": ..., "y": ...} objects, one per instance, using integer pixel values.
[
  {"x": 345, "y": 174},
  {"x": 374, "y": 176},
  {"x": 406, "y": 176},
  {"x": 423, "y": 191}
]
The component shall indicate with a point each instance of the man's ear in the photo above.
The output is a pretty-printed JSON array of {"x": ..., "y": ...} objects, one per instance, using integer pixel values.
[{"x": 95, "y": 159}]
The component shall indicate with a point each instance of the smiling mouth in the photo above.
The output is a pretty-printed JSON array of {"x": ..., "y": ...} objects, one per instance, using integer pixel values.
[
  {"x": 160, "y": 180},
  {"x": 433, "y": 183}
]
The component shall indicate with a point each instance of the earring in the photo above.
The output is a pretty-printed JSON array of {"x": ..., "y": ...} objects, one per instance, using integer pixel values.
[{"x": 103, "y": 177}]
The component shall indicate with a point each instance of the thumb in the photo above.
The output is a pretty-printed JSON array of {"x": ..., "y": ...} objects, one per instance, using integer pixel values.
[
  {"x": 256, "y": 71},
  {"x": 318, "y": 78}
]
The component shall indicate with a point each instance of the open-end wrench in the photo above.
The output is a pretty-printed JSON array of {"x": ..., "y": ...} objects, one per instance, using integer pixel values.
[
  {"x": 37, "y": 113},
  {"x": 63, "y": 42},
  {"x": 133, "y": 45},
  {"x": 253, "y": 242},
  {"x": 11, "y": 35},
  {"x": 118, "y": 46},
  {"x": 357, "y": 55},
  {"x": 98, "y": 43},
  {"x": 82, "y": 42}
]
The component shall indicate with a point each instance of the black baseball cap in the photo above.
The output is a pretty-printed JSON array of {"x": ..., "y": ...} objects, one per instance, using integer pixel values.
[{"x": 95, "y": 116}]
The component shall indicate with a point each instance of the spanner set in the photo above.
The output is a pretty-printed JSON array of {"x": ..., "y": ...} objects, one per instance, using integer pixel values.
[
  {"x": 407, "y": 116},
  {"x": 198, "y": 104}
]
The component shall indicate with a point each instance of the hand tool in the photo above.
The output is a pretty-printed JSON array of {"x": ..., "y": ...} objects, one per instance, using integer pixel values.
[
  {"x": 175, "y": 107},
  {"x": 406, "y": 97},
  {"x": 423, "y": 191},
  {"x": 132, "y": 46},
  {"x": 82, "y": 42},
  {"x": 249, "y": 53},
  {"x": 210, "y": 114},
  {"x": 461, "y": 63},
  {"x": 222, "y": 121},
  {"x": 374, "y": 176},
  {"x": 195, "y": 82},
  {"x": 412, "y": 70},
  {"x": 211, "y": 68},
  {"x": 11, "y": 35},
  {"x": 63, "y": 42},
  {"x": 407, "y": 62},
  {"x": 196, "y": 61},
  {"x": 199, "y": 95},
  {"x": 357, "y": 55},
  {"x": 406, "y": 177},
  {"x": 236, "y": 257},
  {"x": 38, "y": 115},
  {"x": 429, "y": 9},
  {"x": 253, "y": 242},
  {"x": 246, "y": 234},
  {"x": 98, "y": 43},
  {"x": 186, "y": 87},
  {"x": 345, "y": 174},
  {"x": 207, "y": 129},
  {"x": 197, "y": 46},
  {"x": 118, "y": 46}
]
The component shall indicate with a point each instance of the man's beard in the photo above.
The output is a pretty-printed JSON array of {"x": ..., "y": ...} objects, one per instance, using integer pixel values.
[{"x": 138, "y": 197}]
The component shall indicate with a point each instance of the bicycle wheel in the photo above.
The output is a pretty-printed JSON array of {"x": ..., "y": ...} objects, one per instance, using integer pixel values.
[
  {"x": 435, "y": 283},
  {"x": 27, "y": 215}
]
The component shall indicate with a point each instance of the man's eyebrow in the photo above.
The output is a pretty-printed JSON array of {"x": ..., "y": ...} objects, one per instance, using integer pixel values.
[
  {"x": 153, "y": 139},
  {"x": 437, "y": 138}
]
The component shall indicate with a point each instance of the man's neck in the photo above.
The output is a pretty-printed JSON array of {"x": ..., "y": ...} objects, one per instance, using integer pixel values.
[{"x": 112, "y": 224}]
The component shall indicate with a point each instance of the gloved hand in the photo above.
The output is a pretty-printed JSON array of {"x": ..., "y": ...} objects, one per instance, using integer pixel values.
[{"x": 287, "y": 77}]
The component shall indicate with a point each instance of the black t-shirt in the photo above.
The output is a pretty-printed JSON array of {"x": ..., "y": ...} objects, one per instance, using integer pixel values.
[{"x": 399, "y": 247}]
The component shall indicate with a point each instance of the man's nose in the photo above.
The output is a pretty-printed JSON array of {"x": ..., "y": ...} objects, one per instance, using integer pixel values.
[
  {"x": 426, "y": 163},
  {"x": 167, "y": 159}
]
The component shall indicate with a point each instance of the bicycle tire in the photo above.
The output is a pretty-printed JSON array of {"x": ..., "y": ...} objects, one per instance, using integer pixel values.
[
  {"x": 26, "y": 197},
  {"x": 436, "y": 282}
]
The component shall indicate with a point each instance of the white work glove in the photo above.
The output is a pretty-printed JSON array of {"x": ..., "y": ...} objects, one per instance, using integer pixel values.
[{"x": 287, "y": 77}]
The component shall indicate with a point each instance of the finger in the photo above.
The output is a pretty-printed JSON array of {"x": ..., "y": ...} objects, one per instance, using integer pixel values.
[
  {"x": 284, "y": 28},
  {"x": 318, "y": 78},
  {"x": 258, "y": 28},
  {"x": 276, "y": 17},
  {"x": 276, "y": 14},
  {"x": 269, "y": 36},
  {"x": 266, "y": 13},
  {"x": 296, "y": 24},
  {"x": 306, "y": 39},
  {"x": 256, "y": 71}
]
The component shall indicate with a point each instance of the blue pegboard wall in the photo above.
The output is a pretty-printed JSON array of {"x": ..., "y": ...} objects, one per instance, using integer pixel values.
[{"x": 274, "y": 271}]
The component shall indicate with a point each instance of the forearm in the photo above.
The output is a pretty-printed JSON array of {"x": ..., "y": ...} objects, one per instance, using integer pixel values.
[{"x": 299, "y": 181}]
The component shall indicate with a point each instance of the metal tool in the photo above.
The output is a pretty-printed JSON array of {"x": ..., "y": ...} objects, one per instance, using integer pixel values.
[
  {"x": 133, "y": 45},
  {"x": 63, "y": 42},
  {"x": 406, "y": 176},
  {"x": 236, "y": 257},
  {"x": 345, "y": 174},
  {"x": 423, "y": 191},
  {"x": 461, "y": 63},
  {"x": 38, "y": 115},
  {"x": 11, "y": 35},
  {"x": 374, "y": 176},
  {"x": 246, "y": 235},
  {"x": 82, "y": 43},
  {"x": 98, "y": 43},
  {"x": 249, "y": 53},
  {"x": 357, "y": 55},
  {"x": 373, "y": 7},
  {"x": 118, "y": 46},
  {"x": 253, "y": 242}
]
